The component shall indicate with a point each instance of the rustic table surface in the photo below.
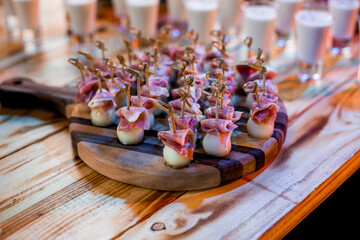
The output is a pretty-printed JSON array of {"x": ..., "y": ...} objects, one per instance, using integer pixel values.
[{"x": 47, "y": 192}]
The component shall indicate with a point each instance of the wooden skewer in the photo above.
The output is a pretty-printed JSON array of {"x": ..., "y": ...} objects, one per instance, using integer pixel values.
[
  {"x": 144, "y": 68},
  {"x": 87, "y": 56},
  {"x": 101, "y": 46},
  {"x": 121, "y": 60},
  {"x": 169, "y": 110},
  {"x": 109, "y": 63},
  {"x": 172, "y": 114},
  {"x": 97, "y": 74},
  {"x": 193, "y": 35},
  {"x": 77, "y": 63},
  {"x": 138, "y": 77},
  {"x": 248, "y": 42},
  {"x": 128, "y": 48},
  {"x": 255, "y": 90},
  {"x": 263, "y": 75},
  {"x": 116, "y": 84},
  {"x": 184, "y": 95}
]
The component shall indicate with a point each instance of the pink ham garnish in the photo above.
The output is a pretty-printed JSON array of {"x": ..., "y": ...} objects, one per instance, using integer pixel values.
[
  {"x": 142, "y": 101},
  {"x": 217, "y": 126},
  {"x": 159, "y": 81},
  {"x": 245, "y": 70},
  {"x": 226, "y": 112},
  {"x": 102, "y": 99},
  {"x": 189, "y": 121},
  {"x": 182, "y": 141},
  {"x": 195, "y": 93},
  {"x": 270, "y": 74},
  {"x": 86, "y": 90},
  {"x": 266, "y": 112},
  {"x": 270, "y": 88},
  {"x": 226, "y": 101},
  {"x": 113, "y": 88},
  {"x": 154, "y": 92},
  {"x": 177, "y": 105},
  {"x": 220, "y": 127},
  {"x": 134, "y": 117}
]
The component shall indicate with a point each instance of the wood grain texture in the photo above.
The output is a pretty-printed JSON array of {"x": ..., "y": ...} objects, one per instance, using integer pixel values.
[
  {"x": 55, "y": 195},
  {"x": 282, "y": 185},
  {"x": 143, "y": 164}
]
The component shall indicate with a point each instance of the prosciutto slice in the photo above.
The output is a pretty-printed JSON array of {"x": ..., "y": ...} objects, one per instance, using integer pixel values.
[
  {"x": 270, "y": 74},
  {"x": 134, "y": 117},
  {"x": 220, "y": 127},
  {"x": 195, "y": 93},
  {"x": 86, "y": 90},
  {"x": 226, "y": 101},
  {"x": 154, "y": 92},
  {"x": 113, "y": 88},
  {"x": 177, "y": 105},
  {"x": 266, "y": 112},
  {"x": 159, "y": 81},
  {"x": 217, "y": 126},
  {"x": 142, "y": 101},
  {"x": 188, "y": 122},
  {"x": 245, "y": 70},
  {"x": 103, "y": 99},
  {"x": 182, "y": 141},
  {"x": 269, "y": 87},
  {"x": 226, "y": 112}
]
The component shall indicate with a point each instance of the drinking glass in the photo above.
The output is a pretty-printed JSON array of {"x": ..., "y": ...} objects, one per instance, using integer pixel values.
[
  {"x": 345, "y": 13},
  {"x": 230, "y": 15},
  {"x": 285, "y": 23},
  {"x": 312, "y": 32},
  {"x": 82, "y": 16},
  {"x": 259, "y": 23},
  {"x": 27, "y": 12},
  {"x": 143, "y": 14},
  {"x": 120, "y": 14},
  {"x": 201, "y": 16}
]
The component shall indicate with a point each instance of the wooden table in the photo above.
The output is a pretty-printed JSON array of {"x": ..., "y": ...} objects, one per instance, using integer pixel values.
[{"x": 47, "y": 192}]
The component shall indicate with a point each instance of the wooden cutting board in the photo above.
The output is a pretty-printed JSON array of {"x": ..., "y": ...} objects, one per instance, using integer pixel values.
[{"x": 143, "y": 164}]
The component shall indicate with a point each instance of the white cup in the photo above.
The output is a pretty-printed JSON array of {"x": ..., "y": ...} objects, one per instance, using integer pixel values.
[
  {"x": 143, "y": 14},
  {"x": 312, "y": 30},
  {"x": 119, "y": 7},
  {"x": 285, "y": 23},
  {"x": 176, "y": 10},
  {"x": 201, "y": 16},
  {"x": 345, "y": 14},
  {"x": 230, "y": 13},
  {"x": 82, "y": 14},
  {"x": 259, "y": 23},
  {"x": 27, "y": 12}
]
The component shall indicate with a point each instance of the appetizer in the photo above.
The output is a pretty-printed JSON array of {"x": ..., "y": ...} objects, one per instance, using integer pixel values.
[
  {"x": 263, "y": 114},
  {"x": 217, "y": 141},
  {"x": 102, "y": 107},
  {"x": 179, "y": 144}
]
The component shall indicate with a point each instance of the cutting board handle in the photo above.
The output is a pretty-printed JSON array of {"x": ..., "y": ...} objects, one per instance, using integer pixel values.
[{"x": 21, "y": 92}]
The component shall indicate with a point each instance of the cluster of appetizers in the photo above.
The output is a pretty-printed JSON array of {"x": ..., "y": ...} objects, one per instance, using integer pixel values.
[{"x": 193, "y": 85}]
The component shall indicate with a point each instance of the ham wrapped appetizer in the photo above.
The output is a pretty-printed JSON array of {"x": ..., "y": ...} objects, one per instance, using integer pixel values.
[
  {"x": 217, "y": 141},
  {"x": 226, "y": 112},
  {"x": 86, "y": 91},
  {"x": 179, "y": 147},
  {"x": 194, "y": 109},
  {"x": 147, "y": 103},
  {"x": 261, "y": 123},
  {"x": 102, "y": 107},
  {"x": 251, "y": 97},
  {"x": 133, "y": 122}
]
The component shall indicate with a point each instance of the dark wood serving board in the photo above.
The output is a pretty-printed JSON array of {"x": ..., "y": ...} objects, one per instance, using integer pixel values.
[{"x": 143, "y": 164}]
